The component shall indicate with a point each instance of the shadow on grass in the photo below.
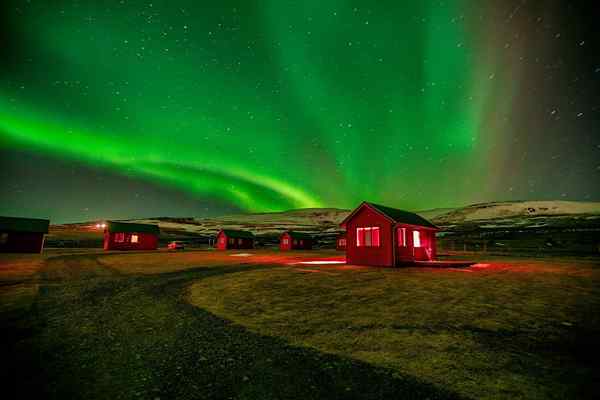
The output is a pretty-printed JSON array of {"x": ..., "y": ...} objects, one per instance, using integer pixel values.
[{"x": 103, "y": 335}]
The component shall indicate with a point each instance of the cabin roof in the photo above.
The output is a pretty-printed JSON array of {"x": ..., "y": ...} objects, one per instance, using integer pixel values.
[
  {"x": 33, "y": 225},
  {"x": 395, "y": 215},
  {"x": 298, "y": 235},
  {"x": 130, "y": 227},
  {"x": 238, "y": 234}
]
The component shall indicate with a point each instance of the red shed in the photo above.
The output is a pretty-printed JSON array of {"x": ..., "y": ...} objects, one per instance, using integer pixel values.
[
  {"x": 230, "y": 239},
  {"x": 385, "y": 236},
  {"x": 340, "y": 242},
  {"x": 295, "y": 241},
  {"x": 22, "y": 235},
  {"x": 130, "y": 236}
]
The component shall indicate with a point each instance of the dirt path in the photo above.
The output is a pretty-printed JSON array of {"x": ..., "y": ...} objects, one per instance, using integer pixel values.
[{"x": 93, "y": 333}]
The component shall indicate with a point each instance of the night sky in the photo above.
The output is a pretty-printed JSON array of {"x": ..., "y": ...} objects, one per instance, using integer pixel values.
[{"x": 129, "y": 109}]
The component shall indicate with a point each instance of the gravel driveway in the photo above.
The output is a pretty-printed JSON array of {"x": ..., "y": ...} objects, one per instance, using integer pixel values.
[{"x": 96, "y": 334}]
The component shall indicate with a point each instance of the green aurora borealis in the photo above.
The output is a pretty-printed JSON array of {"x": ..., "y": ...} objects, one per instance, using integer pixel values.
[{"x": 274, "y": 105}]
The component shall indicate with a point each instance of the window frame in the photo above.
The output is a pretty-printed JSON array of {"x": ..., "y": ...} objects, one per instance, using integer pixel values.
[
  {"x": 364, "y": 236},
  {"x": 417, "y": 243},
  {"x": 402, "y": 237}
]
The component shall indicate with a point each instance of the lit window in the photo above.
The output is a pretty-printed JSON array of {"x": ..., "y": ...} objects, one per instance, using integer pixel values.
[
  {"x": 416, "y": 239},
  {"x": 342, "y": 242},
  {"x": 3, "y": 238},
  {"x": 367, "y": 237},
  {"x": 231, "y": 240},
  {"x": 222, "y": 240},
  {"x": 240, "y": 241},
  {"x": 402, "y": 237},
  {"x": 286, "y": 241},
  {"x": 134, "y": 238},
  {"x": 119, "y": 237},
  {"x": 295, "y": 241},
  {"x": 375, "y": 236},
  {"x": 301, "y": 242}
]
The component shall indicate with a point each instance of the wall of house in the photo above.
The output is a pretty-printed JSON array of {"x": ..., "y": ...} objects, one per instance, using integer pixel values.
[
  {"x": 380, "y": 256},
  {"x": 340, "y": 243},
  {"x": 223, "y": 242},
  {"x": 21, "y": 242},
  {"x": 146, "y": 241},
  {"x": 427, "y": 250},
  {"x": 285, "y": 246}
]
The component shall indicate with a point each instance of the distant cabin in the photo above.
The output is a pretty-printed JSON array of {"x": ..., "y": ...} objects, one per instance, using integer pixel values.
[
  {"x": 130, "y": 236},
  {"x": 295, "y": 241},
  {"x": 22, "y": 235},
  {"x": 385, "y": 236},
  {"x": 340, "y": 242},
  {"x": 231, "y": 239}
]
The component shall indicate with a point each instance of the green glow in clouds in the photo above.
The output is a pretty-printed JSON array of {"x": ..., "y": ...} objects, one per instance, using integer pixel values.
[{"x": 266, "y": 106}]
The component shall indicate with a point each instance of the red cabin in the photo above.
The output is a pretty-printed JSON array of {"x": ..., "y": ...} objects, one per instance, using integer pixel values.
[
  {"x": 385, "y": 236},
  {"x": 22, "y": 235},
  {"x": 295, "y": 241},
  {"x": 230, "y": 239},
  {"x": 130, "y": 236},
  {"x": 340, "y": 242}
]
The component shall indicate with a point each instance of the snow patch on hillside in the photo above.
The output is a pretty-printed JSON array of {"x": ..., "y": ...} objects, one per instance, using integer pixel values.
[{"x": 505, "y": 210}]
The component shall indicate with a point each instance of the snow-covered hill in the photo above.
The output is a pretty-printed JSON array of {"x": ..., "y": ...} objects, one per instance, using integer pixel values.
[
  {"x": 324, "y": 222},
  {"x": 522, "y": 214}
]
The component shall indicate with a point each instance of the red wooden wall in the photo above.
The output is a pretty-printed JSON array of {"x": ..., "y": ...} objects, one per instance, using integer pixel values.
[
  {"x": 380, "y": 256},
  {"x": 146, "y": 241},
  {"x": 223, "y": 242}
]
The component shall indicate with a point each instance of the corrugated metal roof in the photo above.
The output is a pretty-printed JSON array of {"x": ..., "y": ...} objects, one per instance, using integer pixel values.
[
  {"x": 238, "y": 234},
  {"x": 14, "y": 224},
  {"x": 299, "y": 235},
  {"x": 114, "y": 226},
  {"x": 401, "y": 216}
]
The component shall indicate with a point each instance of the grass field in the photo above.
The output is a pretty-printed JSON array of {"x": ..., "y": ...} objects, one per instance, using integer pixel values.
[
  {"x": 89, "y": 324},
  {"x": 503, "y": 329}
]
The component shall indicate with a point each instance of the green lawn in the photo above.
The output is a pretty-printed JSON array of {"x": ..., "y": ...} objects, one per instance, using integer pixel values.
[{"x": 506, "y": 329}]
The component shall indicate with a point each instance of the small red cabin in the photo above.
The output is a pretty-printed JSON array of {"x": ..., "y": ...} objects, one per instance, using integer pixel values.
[
  {"x": 22, "y": 235},
  {"x": 230, "y": 239},
  {"x": 340, "y": 242},
  {"x": 295, "y": 241},
  {"x": 130, "y": 236},
  {"x": 385, "y": 236}
]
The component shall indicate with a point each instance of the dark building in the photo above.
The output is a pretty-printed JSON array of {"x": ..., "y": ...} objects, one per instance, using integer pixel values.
[
  {"x": 295, "y": 241},
  {"x": 232, "y": 239},
  {"x": 22, "y": 235},
  {"x": 340, "y": 242},
  {"x": 130, "y": 236}
]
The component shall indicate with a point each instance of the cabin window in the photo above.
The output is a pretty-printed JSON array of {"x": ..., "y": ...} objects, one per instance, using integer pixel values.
[
  {"x": 134, "y": 239},
  {"x": 401, "y": 237},
  {"x": 240, "y": 241},
  {"x": 119, "y": 237},
  {"x": 286, "y": 241},
  {"x": 301, "y": 242},
  {"x": 3, "y": 238},
  {"x": 416, "y": 239},
  {"x": 295, "y": 241},
  {"x": 342, "y": 242},
  {"x": 231, "y": 240},
  {"x": 222, "y": 240},
  {"x": 368, "y": 237}
]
